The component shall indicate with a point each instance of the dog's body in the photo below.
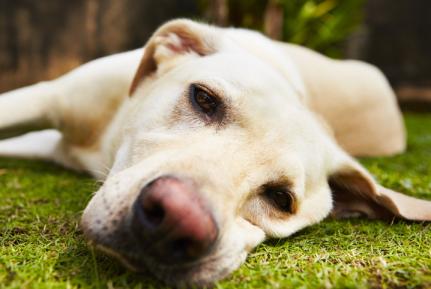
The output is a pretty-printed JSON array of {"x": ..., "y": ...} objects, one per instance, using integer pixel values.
[{"x": 222, "y": 118}]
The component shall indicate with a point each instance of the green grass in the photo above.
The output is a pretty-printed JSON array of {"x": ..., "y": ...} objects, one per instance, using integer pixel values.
[{"x": 41, "y": 245}]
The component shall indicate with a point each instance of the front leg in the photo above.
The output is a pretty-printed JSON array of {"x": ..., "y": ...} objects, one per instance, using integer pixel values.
[
  {"x": 44, "y": 145},
  {"x": 34, "y": 108},
  {"x": 82, "y": 100},
  {"x": 80, "y": 105},
  {"x": 28, "y": 109}
]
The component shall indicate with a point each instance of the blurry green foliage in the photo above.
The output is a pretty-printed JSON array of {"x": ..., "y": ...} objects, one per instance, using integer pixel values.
[
  {"x": 322, "y": 25},
  {"x": 247, "y": 13}
]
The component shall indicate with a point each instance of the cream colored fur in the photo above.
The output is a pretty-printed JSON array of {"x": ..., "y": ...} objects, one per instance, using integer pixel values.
[{"x": 294, "y": 117}]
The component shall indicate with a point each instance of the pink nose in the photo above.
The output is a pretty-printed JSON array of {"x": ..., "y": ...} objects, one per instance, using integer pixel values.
[{"x": 171, "y": 219}]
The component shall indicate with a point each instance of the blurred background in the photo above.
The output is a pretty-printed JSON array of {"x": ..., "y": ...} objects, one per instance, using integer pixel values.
[{"x": 40, "y": 40}]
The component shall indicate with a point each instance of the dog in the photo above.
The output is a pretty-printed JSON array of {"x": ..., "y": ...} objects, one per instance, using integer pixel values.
[{"x": 211, "y": 140}]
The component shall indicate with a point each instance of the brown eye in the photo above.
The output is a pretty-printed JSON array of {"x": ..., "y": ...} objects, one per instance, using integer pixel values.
[
  {"x": 281, "y": 198},
  {"x": 204, "y": 101}
]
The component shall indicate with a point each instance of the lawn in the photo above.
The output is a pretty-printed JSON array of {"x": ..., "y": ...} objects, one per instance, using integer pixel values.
[{"x": 41, "y": 245}]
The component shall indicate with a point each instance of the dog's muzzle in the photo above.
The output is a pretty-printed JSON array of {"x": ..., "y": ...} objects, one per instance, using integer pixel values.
[{"x": 171, "y": 218}]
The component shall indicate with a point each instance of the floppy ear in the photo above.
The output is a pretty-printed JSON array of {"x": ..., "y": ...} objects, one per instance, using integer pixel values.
[
  {"x": 356, "y": 193},
  {"x": 173, "y": 39}
]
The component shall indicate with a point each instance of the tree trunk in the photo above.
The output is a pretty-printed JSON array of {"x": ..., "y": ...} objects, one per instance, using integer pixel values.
[
  {"x": 218, "y": 12},
  {"x": 273, "y": 21}
]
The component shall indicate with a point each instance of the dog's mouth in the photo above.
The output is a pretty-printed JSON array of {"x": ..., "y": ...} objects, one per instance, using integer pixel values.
[
  {"x": 167, "y": 230},
  {"x": 202, "y": 272},
  {"x": 197, "y": 274}
]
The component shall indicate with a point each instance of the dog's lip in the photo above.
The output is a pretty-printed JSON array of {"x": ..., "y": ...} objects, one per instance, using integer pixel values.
[
  {"x": 140, "y": 264},
  {"x": 174, "y": 275},
  {"x": 127, "y": 262}
]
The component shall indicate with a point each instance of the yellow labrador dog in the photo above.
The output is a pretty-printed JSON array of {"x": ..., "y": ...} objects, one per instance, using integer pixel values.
[{"x": 210, "y": 141}]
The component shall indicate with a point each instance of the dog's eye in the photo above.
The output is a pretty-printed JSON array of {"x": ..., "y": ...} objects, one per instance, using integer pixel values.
[
  {"x": 281, "y": 198},
  {"x": 204, "y": 101}
]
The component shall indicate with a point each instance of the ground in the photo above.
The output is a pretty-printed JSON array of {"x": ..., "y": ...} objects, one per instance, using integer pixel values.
[{"x": 41, "y": 245}]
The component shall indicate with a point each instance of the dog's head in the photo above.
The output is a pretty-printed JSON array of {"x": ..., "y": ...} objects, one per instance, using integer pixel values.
[{"x": 216, "y": 152}]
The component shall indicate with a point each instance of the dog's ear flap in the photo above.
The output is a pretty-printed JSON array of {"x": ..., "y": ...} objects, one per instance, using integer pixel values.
[
  {"x": 173, "y": 39},
  {"x": 355, "y": 193}
]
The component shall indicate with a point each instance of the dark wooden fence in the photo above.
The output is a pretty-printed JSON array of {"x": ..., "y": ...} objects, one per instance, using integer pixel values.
[
  {"x": 40, "y": 40},
  {"x": 398, "y": 40}
]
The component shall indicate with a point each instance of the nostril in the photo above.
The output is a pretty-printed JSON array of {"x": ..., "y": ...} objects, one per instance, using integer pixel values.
[
  {"x": 185, "y": 248},
  {"x": 154, "y": 214}
]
